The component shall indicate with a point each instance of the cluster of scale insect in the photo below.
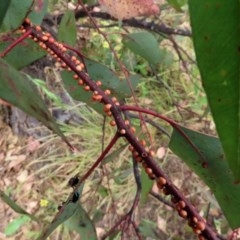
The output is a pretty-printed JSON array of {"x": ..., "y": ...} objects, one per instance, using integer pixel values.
[{"x": 198, "y": 225}]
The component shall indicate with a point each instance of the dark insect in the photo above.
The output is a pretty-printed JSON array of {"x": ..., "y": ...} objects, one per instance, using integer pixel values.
[
  {"x": 75, "y": 197},
  {"x": 73, "y": 181}
]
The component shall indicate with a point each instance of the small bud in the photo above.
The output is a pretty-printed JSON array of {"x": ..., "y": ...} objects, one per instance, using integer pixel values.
[
  {"x": 87, "y": 88},
  {"x": 79, "y": 68},
  {"x": 80, "y": 82},
  {"x": 148, "y": 171},
  {"x": 161, "y": 182},
  {"x": 183, "y": 213},
  {"x": 131, "y": 148},
  {"x": 122, "y": 131},
  {"x": 99, "y": 83},
  {"x": 38, "y": 28},
  {"x": 201, "y": 225},
  {"x": 133, "y": 129},
  {"x": 107, "y": 92},
  {"x": 75, "y": 76},
  {"x": 113, "y": 123},
  {"x": 107, "y": 107},
  {"x": 114, "y": 99},
  {"x": 44, "y": 38}
]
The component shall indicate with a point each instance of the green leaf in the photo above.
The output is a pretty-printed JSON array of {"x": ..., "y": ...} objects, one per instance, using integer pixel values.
[
  {"x": 177, "y": 4},
  {"x": 15, "y": 225},
  {"x": 3, "y": 9},
  {"x": 38, "y": 12},
  {"x": 204, "y": 155},
  {"x": 97, "y": 71},
  {"x": 112, "y": 156},
  {"x": 18, "y": 90},
  {"x": 29, "y": 49},
  {"x": 15, "y": 14},
  {"x": 216, "y": 35},
  {"x": 67, "y": 32},
  {"x": 82, "y": 224},
  {"x": 146, "y": 186},
  {"x": 110, "y": 80},
  {"x": 67, "y": 211},
  {"x": 145, "y": 45},
  {"x": 5, "y": 198}
]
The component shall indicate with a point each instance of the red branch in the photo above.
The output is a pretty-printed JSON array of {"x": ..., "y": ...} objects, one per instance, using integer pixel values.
[{"x": 142, "y": 155}]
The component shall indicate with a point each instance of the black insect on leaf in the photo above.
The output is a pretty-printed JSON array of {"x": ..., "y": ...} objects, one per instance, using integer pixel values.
[
  {"x": 75, "y": 197},
  {"x": 73, "y": 181}
]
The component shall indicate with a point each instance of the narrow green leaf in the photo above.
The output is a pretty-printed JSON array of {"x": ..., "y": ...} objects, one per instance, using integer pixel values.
[
  {"x": 38, "y": 12},
  {"x": 82, "y": 224},
  {"x": 15, "y": 225},
  {"x": 18, "y": 90},
  {"x": 204, "y": 155},
  {"x": 145, "y": 45},
  {"x": 15, "y": 14},
  {"x": 146, "y": 186},
  {"x": 216, "y": 35},
  {"x": 3, "y": 9},
  {"x": 67, "y": 31},
  {"x": 5, "y": 198}
]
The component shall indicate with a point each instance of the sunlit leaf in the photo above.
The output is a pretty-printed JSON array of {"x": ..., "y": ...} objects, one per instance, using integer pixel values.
[{"x": 145, "y": 45}]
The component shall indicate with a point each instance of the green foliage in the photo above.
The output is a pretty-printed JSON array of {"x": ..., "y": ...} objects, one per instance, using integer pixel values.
[
  {"x": 204, "y": 155},
  {"x": 67, "y": 31},
  {"x": 216, "y": 32},
  {"x": 177, "y": 4},
  {"x": 144, "y": 44},
  {"x": 3, "y": 10},
  {"x": 17, "y": 89},
  {"x": 29, "y": 49},
  {"x": 15, "y": 225},
  {"x": 82, "y": 224},
  {"x": 5, "y": 198},
  {"x": 16, "y": 13},
  {"x": 109, "y": 79}
]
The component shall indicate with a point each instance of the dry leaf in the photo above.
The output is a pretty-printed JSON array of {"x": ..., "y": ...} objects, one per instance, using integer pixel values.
[
  {"x": 33, "y": 145},
  {"x": 161, "y": 222},
  {"x": 125, "y": 9},
  {"x": 22, "y": 177}
]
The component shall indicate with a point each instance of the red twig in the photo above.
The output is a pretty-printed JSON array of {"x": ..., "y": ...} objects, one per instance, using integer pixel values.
[
  {"x": 112, "y": 108},
  {"x": 15, "y": 43}
]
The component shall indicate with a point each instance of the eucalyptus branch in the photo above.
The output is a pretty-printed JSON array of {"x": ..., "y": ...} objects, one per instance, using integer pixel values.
[{"x": 138, "y": 147}]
